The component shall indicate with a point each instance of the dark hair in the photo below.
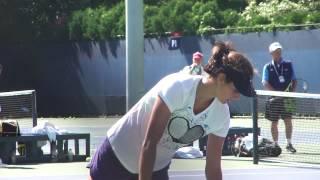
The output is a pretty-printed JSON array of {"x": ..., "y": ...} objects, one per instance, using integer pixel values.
[
  {"x": 224, "y": 57},
  {"x": 234, "y": 65}
]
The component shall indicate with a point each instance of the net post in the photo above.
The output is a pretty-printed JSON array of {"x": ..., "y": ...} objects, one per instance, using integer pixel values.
[
  {"x": 34, "y": 109},
  {"x": 255, "y": 129}
]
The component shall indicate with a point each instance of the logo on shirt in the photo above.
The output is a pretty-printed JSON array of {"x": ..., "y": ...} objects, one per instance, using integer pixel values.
[{"x": 180, "y": 131}]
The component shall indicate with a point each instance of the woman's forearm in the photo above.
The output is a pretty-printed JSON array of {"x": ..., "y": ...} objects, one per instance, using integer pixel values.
[
  {"x": 147, "y": 159},
  {"x": 158, "y": 121},
  {"x": 214, "y": 174}
]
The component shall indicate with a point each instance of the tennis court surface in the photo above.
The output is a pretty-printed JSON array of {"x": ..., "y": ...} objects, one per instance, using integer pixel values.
[
  {"x": 233, "y": 167},
  {"x": 77, "y": 171}
]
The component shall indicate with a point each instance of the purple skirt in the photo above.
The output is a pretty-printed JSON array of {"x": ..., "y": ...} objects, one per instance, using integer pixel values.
[{"x": 106, "y": 166}]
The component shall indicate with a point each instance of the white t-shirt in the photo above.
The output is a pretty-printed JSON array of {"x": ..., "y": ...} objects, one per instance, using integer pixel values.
[{"x": 178, "y": 91}]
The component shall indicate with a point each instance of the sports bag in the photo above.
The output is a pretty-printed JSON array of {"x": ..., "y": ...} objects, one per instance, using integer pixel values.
[
  {"x": 9, "y": 128},
  {"x": 243, "y": 147}
]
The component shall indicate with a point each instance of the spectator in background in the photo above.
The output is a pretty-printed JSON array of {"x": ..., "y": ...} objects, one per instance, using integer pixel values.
[
  {"x": 196, "y": 67},
  {"x": 278, "y": 75}
]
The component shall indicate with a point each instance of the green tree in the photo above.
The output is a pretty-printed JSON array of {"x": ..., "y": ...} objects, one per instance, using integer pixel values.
[
  {"x": 273, "y": 13},
  {"x": 98, "y": 23},
  {"x": 29, "y": 20},
  {"x": 152, "y": 23},
  {"x": 205, "y": 17},
  {"x": 26, "y": 20},
  {"x": 176, "y": 15}
]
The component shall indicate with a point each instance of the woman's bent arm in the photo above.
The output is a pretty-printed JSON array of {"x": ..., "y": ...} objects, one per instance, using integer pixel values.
[{"x": 159, "y": 118}]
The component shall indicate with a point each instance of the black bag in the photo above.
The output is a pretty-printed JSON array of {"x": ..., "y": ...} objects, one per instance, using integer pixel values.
[
  {"x": 9, "y": 128},
  {"x": 7, "y": 149},
  {"x": 269, "y": 151},
  {"x": 241, "y": 149},
  {"x": 244, "y": 148}
]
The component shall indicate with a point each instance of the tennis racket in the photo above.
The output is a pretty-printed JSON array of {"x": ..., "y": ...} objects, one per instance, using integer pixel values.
[{"x": 302, "y": 85}]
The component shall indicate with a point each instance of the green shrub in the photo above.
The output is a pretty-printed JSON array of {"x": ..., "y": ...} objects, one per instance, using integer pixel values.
[
  {"x": 205, "y": 17},
  {"x": 273, "y": 14},
  {"x": 98, "y": 23},
  {"x": 195, "y": 17},
  {"x": 75, "y": 26},
  {"x": 230, "y": 17}
]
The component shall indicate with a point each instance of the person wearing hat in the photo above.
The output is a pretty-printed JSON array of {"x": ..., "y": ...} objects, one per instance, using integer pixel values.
[
  {"x": 178, "y": 110},
  {"x": 278, "y": 75},
  {"x": 196, "y": 67}
]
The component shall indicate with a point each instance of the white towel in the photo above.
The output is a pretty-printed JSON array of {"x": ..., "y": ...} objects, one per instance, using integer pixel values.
[
  {"x": 49, "y": 129},
  {"x": 188, "y": 152}
]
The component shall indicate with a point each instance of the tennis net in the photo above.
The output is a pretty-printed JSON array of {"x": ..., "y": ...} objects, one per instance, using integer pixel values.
[
  {"x": 303, "y": 109},
  {"x": 20, "y": 106}
]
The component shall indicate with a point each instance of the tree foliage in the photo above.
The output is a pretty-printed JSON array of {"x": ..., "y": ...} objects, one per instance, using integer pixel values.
[
  {"x": 203, "y": 17},
  {"x": 29, "y": 20},
  {"x": 270, "y": 14}
]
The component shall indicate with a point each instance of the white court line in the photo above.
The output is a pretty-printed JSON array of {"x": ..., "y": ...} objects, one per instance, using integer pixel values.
[
  {"x": 193, "y": 175},
  {"x": 251, "y": 173},
  {"x": 293, "y": 164},
  {"x": 272, "y": 173}
]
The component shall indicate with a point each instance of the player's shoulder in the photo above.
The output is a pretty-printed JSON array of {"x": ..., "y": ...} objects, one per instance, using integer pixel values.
[
  {"x": 188, "y": 79},
  {"x": 221, "y": 107},
  {"x": 181, "y": 78}
]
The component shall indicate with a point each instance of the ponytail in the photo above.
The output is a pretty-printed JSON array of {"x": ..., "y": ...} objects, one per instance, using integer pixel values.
[{"x": 218, "y": 58}]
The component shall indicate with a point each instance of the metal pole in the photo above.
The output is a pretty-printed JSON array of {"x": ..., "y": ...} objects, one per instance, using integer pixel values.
[
  {"x": 134, "y": 52},
  {"x": 255, "y": 129},
  {"x": 34, "y": 109}
]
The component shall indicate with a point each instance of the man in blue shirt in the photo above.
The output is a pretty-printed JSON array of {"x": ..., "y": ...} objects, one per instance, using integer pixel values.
[{"x": 278, "y": 75}]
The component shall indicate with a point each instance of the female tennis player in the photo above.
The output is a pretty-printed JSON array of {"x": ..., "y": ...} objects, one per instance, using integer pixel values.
[{"x": 178, "y": 110}]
